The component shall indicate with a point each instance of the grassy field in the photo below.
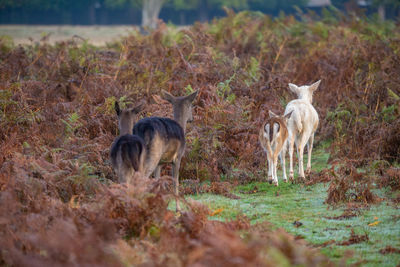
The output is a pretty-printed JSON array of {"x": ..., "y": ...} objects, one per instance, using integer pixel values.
[
  {"x": 96, "y": 35},
  {"x": 284, "y": 205}
]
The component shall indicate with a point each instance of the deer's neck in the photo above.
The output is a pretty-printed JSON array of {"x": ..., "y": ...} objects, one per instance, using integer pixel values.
[
  {"x": 125, "y": 129},
  {"x": 180, "y": 120},
  {"x": 307, "y": 99}
]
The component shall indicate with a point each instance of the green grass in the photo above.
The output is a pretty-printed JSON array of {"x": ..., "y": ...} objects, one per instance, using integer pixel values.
[{"x": 291, "y": 202}]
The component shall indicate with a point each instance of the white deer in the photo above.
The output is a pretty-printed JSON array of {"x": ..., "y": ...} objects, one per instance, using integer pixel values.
[
  {"x": 301, "y": 126},
  {"x": 273, "y": 135}
]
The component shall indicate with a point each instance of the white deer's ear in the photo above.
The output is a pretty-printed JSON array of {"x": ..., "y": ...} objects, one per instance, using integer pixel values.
[
  {"x": 314, "y": 86},
  {"x": 192, "y": 96},
  {"x": 271, "y": 114},
  {"x": 167, "y": 96},
  {"x": 294, "y": 88}
]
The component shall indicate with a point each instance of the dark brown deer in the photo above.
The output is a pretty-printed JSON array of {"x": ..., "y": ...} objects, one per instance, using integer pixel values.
[
  {"x": 163, "y": 138},
  {"x": 127, "y": 151}
]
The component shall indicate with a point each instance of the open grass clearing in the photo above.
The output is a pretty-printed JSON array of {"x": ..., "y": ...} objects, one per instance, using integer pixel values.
[{"x": 284, "y": 205}]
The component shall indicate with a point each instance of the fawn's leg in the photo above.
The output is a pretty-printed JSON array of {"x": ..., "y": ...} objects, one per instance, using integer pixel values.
[
  {"x": 270, "y": 168},
  {"x": 274, "y": 170},
  {"x": 282, "y": 156}
]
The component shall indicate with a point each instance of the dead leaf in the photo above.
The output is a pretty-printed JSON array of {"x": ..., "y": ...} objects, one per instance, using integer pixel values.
[
  {"x": 217, "y": 211},
  {"x": 374, "y": 223},
  {"x": 73, "y": 204}
]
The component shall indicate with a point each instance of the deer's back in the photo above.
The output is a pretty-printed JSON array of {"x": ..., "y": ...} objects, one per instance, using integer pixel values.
[
  {"x": 163, "y": 137},
  {"x": 166, "y": 128},
  {"x": 304, "y": 116}
]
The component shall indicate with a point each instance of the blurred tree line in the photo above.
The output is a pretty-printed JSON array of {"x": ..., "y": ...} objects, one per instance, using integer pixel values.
[{"x": 147, "y": 12}]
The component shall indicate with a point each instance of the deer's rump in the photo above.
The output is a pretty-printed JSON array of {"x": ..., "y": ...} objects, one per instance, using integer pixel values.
[
  {"x": 167, "y": 129},
  {"x": 130, "y": 148}
]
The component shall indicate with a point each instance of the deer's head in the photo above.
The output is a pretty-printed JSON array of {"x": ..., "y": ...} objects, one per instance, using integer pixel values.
[
  {"x": 285, "y": 118},
  {"x": 127, "y": 118},
  {"x": 182, "y": 106},
  {"x": 304, "y": 92}
]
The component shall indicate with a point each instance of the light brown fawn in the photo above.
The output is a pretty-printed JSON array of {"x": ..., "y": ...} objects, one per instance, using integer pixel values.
[
  {"x": 273, "y": 135},
  {"x": 127, "y": 151},
  {"x": 164, "y": 138}
]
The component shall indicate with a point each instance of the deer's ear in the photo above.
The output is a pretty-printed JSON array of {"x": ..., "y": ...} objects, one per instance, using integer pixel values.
[
  {"x": 117, "y": 109},
  {"x": 271, "y": 114},
  {"x": 167, "y": 96},
  {"x": 314, "y": 86},
  {"x": 192, "y": 96},
  {"x": 137, "y": 109},
  {"x": 287, "y": 116},
  {"x": 294, "y": 88}
]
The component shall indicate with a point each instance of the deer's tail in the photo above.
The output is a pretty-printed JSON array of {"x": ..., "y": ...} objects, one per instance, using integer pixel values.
[
  {"x": 294, "y": 122},
  {"x": 130, "y": 147}
]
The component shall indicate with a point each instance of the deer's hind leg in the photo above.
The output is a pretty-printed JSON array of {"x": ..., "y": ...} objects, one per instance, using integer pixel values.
[
  {"x": 151, "y": 162},
  {"x": 270, "y": 169},
  {"x": 270, "y": 178},
  {"x": 157, "y": 171},
  {"x": 291, "y": 149},
  {"x": 309, "y": 150},
  {"x": 300, "y": 151},
  {"x": 176, "y": 164},
  {"x": 282, "y": 156},
  {"x": 275, "y": 166}
]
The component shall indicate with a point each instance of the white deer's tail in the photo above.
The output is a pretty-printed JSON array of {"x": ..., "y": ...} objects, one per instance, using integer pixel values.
[{"x": 294, "y": 122}]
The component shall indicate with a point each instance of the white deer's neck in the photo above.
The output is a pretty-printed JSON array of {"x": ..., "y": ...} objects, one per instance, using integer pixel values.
[{"x": 306, "y": 98}]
